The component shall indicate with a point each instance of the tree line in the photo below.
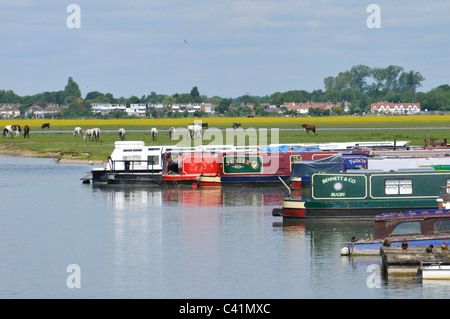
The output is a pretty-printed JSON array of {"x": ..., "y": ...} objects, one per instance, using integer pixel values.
[{"x": 360, "y": 86}]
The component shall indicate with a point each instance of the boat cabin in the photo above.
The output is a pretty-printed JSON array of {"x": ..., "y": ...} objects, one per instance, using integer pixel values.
[
  {"x": 135, "y": 156},
  {"x": 414, "y": 222}
]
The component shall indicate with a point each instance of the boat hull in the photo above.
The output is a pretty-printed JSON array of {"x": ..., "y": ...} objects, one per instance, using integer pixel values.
[
  {"x": 133, "y": 179},
  {"x": 435, "y": 272}
]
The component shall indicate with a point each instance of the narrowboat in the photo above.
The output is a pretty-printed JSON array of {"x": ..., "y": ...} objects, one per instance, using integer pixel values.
[
  {"x": 415, "y": 227},
  {"x": 365, "y": 194},
  {"x": 186, "y": 168},
  {"x": 271, "y": 166},
  {"x": 132, "y": 162}
]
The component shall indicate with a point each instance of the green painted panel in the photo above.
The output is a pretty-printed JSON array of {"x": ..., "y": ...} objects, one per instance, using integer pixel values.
[
  {"x": 242, "y": 164},
  {"x": 338, "y": 186}
]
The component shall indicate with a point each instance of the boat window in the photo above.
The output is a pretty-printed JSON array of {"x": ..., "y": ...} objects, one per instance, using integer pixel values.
[
  {"x": 152, "y": 160},
  {"x": 448, "y": 185},
  {"x": 398, "y": 186},
  {"x": 442, "y": 225},
  {"x": 132, "y": 150},
  {"x": 407, "y": 228}
]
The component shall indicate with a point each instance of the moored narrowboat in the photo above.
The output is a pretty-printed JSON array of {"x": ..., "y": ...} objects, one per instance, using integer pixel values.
[
  {"x": 366, "y": 194},
  {"x": 132, "y": 162},
  {"x": 263, "y": 168}
]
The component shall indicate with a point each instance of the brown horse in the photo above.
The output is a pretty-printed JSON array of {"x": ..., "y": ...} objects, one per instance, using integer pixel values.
[
  {"x": 309, "y": 128},
  {"x": 26, "y": 131}
]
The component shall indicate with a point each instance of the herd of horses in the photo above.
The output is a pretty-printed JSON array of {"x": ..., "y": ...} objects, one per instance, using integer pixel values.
[{"x": 194, "y": 131}]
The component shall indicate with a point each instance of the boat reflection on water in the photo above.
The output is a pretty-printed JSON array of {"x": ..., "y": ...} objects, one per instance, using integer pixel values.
[{"x": 187, "y": 196}]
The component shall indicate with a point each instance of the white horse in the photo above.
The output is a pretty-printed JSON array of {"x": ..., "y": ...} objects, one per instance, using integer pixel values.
[
  {"x": 197, "y": 131},
  {"x": 96, "y": 133},
  {"x": 88, "y": 133},
  {"x": 172, "y": 133},
  {"x": 122, "y": 134},
  {"x": 77, "y": 131},
  {"x": 194, "y": 131},
  {"x": 154, "y": 132},
  {"x": 190, "y": 131}
]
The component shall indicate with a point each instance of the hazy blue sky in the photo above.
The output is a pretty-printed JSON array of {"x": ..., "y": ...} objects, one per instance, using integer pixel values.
[{"x": 226, "y": 48}]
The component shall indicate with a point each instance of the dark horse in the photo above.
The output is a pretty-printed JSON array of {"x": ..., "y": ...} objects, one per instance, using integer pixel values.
[
  {"x": 45, "y": 125},
  {"x": 309, "y": 128},
  {"x": 26, "y": 131}
]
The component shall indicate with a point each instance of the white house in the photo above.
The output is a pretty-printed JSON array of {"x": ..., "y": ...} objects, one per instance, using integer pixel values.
[
  {"x": 9, "y": 111},
  {"x": 395, "y": 108},
  {"x": 104, "y": 108},
  {"x": 137, "y": 109}
]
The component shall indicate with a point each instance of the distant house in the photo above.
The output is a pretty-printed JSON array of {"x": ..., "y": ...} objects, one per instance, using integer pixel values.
[
  {"x": 303, "y": 108},
  {"x": 9, "y": 111},
  {"x": 140, "y": 109},
  {"x": 36, "y": 111},
  {"x": 104, "y": 108},
  {"x": 395, "y": 108},
  {"x": 137, "y": 109}
]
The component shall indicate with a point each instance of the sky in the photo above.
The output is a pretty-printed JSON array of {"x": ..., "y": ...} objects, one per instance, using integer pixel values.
[{"x": 225, "y": 48}]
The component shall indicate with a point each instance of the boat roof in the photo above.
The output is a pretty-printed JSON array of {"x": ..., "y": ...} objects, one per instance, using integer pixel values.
[{"x": 414, "y": 214}]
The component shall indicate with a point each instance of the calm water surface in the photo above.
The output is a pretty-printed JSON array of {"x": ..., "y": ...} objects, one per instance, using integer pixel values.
[{"x": 173, "y": 243}]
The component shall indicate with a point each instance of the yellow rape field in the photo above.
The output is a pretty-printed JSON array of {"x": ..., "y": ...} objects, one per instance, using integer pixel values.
[{"x": 224, "y": 122}]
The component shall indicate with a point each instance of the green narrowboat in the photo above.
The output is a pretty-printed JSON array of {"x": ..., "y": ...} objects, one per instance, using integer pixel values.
[{"x": 366, "y": 194}]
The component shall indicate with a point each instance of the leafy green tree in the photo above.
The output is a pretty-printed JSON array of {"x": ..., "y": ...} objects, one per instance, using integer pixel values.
[
  {"x": 169, "y": 100},
  {"x": 184, "y": 98},
  {"x": 71, "y": 90},
  {"x": 195, "y": 95},
  {"x": 224, "y": 105},
  {"x": 247, "y": 99},
  {"x": 132, "y": 100},
  {"x": 410, "y": 81}
]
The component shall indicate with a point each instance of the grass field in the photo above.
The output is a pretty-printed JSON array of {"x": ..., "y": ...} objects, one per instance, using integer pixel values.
[
  {"x": 65, "y": 145},
  {"x": 256, "y": 122}
]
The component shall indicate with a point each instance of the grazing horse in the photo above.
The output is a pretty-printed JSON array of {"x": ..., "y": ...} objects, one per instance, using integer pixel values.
[
  {"x": 154, "y": 132},
  {"x": 197, "y": 131},
  {"x": 77, "y": 131},
  {"x": 122, "y": 134},
  {"x": 17, "y": 129},
  {"x": 26, "y": 131},
  {"x": 8, "y": 130},
  {"x": 172, "y": 133},
  {"x": 190, "y": 131},
  {"x": 236, "y": 125},
  {"x": 93, "y": 133},
  {"x": 88, "y": 133},
  {"x": 45, "y": 125},
  {"x": 96, "y": 134},
  {"x": 309, "y": 128},
  {"x": 194, "y": 131}
]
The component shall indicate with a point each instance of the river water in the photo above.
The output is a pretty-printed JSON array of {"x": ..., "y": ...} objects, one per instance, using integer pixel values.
[{"x": 60, "y": 238}]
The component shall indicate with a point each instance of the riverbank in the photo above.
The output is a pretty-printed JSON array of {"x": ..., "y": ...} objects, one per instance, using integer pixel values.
[{"x": 14, "y": 151}]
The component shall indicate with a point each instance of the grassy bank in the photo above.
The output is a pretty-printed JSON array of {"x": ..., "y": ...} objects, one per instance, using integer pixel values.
[
  {"x": 257, "y": 122},
  {"x": 66, "y": 146}
]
